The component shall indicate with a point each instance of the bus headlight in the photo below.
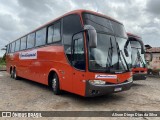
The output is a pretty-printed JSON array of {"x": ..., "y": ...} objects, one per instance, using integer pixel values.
[
  {"x": 130, "y": 79},
  {"x": 97, "y": 82}
]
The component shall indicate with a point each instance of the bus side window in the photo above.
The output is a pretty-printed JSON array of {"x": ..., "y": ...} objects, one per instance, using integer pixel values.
[
  {"x": 17, "y": 45},
  {"x": 23, "y": 43},
  {"x": 54, "y": 34},
  {"x": 50, "y": 34},
  {"x": 31, "y": 40},
  {"x": 57, "y": 32},
  {"x": 41, "y": 37},
  {"x": 13, "y": 47}
]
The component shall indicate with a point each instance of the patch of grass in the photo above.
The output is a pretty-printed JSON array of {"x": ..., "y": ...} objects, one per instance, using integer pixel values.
[{"x": 2, "y": 63}]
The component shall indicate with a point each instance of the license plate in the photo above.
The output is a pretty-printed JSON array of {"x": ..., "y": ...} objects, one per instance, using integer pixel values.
[{"x": 117, "y": 89}]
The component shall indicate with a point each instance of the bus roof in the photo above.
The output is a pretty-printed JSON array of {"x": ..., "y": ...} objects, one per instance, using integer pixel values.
[
  {"x": 76, "y": 12},
  {"x": 80, "y": 11},
  {"x": 133, "y": 35}
]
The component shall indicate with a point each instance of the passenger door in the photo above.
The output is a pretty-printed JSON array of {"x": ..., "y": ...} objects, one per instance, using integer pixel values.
[
  {"x": 72, "y": 73},
  {"x": 78, "y": 63}
]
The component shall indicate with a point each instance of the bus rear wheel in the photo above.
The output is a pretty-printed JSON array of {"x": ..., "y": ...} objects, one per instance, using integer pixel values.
[
  {"x": 15, "y": 74},
  {"x": 55, "y": 85},
  {"x": 11, "y": 73}
]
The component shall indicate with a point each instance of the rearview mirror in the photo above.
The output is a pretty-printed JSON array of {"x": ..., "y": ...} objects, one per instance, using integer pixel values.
[
  {"x": 92, "y": 34},
  {"x": 140, "y": 42},
  {"x": 142, "y": 47}
]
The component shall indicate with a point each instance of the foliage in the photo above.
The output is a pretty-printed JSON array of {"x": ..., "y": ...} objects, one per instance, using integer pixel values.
[{"x": 3, "y": 60}]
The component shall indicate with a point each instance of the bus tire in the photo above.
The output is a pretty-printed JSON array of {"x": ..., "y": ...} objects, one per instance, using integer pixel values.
[
  {"x": 158, "y": 73},
  {"x": 11, "y": 73},
  {"x": 149, "y": 72},
  {"x": 15, "y": 74},
  {"x": 55, "y": 84}
]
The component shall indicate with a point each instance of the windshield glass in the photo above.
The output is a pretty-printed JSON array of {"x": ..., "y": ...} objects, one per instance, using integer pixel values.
[
  {"x": 109, "y": 55},
  {"x": 138, "y": 59}
]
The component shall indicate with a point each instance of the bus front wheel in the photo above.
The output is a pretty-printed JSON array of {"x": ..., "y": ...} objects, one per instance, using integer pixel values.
[{"x": 55, "y": 85}]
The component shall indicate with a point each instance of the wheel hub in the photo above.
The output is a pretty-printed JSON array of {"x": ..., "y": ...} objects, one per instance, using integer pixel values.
[{"x": 54, "y": 83}]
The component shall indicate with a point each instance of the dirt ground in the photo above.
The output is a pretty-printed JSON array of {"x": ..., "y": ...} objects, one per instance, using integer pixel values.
[{"x": 25, "y": 95}]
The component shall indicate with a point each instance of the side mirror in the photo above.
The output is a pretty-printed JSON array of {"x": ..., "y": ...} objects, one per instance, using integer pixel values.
[
  {"x": 142, "y": 49},
  {"x": 92, "y": 35},
  {"x": 140, "y": 42},
  {"x": 142, "y": 46}
]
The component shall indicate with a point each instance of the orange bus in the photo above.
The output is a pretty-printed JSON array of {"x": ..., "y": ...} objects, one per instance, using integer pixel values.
[
  {"x": 82, "y": 52},
  {"x": 139, "y": 69}
]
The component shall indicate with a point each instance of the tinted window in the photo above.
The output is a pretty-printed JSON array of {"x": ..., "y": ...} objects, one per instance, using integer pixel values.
[
  {"x": 119, "y": 29},
  {"x": 71, "y": 25},
  {"x": 23, "y": 43},
  {"x": 31, "y": 40},
  {"x": 105, "y": 25},
  {"x": 54, "y": 33},
  {"x": 99, "y": 23},
  {"x": 41, "y": 37},
  {"x": 17, "y": 45},
  {"x": 13, "y": 47}
]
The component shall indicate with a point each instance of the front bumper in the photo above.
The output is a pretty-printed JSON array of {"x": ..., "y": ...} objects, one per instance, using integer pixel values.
[
  {"x": 139, "y": 76},
  {"x": 98, "y": 90}
]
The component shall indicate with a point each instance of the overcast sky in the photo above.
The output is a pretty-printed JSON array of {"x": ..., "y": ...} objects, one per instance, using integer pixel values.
[{"x": 18, "y": 17}]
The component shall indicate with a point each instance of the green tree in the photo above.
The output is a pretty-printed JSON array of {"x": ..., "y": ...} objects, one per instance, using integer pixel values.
[{"x": 4, "y": 57}]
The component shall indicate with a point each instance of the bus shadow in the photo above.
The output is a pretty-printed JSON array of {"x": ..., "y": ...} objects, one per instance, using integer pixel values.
[
  {"x": 35, "y": 84},
  {"x": 114, "y": 97},
  {"x": 108, "y": 98},
  {"x": 137, "y": 85}
]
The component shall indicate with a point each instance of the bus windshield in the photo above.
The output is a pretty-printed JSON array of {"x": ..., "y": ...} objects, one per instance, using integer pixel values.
[
  {"x": 138, "y": 59},
  {"x": 109, "y": 55}
]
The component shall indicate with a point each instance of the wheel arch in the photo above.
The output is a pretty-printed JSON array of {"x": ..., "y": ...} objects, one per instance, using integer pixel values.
[
  {"x": 10, "y": 70},
  {"x": 50, "y": 75},
  {"x": 14, "y": 67}
]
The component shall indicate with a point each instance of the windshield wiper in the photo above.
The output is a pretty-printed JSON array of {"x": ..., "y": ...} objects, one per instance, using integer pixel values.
[
  {"x": 124, "y": 60},
  {"x": 119, "y": 58},
  {"x": 109, "y": 57}
]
